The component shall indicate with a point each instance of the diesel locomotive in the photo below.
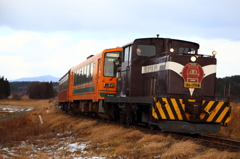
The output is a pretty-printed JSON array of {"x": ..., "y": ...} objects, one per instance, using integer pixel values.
[{"x": 160, "y": 82}]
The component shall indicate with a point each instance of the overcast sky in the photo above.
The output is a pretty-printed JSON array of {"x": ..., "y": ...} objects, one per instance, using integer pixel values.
[{"x": 48, "y": 37}]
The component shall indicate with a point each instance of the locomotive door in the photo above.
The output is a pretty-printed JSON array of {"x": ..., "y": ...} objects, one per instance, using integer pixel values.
[
  {"x": 98, "y": 79},
  {"x": 125, "y": 72}
]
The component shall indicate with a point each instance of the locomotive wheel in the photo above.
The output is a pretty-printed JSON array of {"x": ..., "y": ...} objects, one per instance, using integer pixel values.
[
  {"x": 65, "y": 107},
  {"x": 122, "y": 118},
  {"x": 152, "y": 127},
  {"x": 61, "y": 107},
  {"x": 129, "y": 121}
]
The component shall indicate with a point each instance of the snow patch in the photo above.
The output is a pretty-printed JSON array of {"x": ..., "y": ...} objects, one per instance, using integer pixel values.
[{"x": 65, "y": 142}]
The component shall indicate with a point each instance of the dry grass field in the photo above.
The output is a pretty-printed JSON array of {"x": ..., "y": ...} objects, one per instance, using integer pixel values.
[
  {"x": 64, "y": 136},
  {"x": 233, "y": 128}
]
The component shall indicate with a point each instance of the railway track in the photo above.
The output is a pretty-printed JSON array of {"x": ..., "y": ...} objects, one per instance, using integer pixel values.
[
  {"x": 220, "y": 142},
  {"x": 14, "y": 115},
  {"x": 217, "y": 142}
]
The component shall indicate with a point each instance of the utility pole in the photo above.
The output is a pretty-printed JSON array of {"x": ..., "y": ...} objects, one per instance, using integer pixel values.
[
  {"x": 229, "y": 88},
  {"x": 224, "y": 90}
]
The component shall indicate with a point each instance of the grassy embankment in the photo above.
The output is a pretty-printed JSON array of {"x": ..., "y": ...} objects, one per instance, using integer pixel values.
[
  {"x": 233, "y": 128},
  {"x": 26, "y": 137}
]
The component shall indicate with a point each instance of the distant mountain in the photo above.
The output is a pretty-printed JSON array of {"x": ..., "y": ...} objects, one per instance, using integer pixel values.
[{"x": 47, "y": 78}]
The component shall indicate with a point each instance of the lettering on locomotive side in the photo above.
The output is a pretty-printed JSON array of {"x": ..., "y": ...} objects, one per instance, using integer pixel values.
[{"x": 153, "y": 68}]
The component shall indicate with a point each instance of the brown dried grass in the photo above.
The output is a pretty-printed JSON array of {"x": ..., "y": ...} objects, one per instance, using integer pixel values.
[
  {"x": 183, "y": 149},
  {"x": 27, "y": 103},
  {"x": 21, "y": 128},
  {"x": 233, "y": 128},
  {"x": 215, "y": 154},
  {"x": 4, "y": 114},
  {"x": 105, "y": 139}
]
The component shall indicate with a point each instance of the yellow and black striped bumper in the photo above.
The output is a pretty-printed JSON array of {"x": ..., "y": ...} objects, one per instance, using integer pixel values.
[{"x": 174, "y": 109}]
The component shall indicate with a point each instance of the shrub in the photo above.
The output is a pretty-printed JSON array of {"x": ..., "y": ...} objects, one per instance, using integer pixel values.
[{"x": 16, "y": 96}]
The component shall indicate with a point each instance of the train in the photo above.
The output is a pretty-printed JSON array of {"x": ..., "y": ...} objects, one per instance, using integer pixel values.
[{"x": 162, "y": 83}]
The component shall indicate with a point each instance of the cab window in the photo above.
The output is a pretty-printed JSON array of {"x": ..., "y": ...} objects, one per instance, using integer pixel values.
[
  {"x": 186, "y": 50},
  {"x": 146, "y": 50},
  {"x": 126, "y": 54},
  {"x": 109, "y": 62}
]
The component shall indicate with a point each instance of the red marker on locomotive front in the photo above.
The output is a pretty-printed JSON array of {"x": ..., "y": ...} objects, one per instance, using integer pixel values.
[{"x": 192, "y": 74}]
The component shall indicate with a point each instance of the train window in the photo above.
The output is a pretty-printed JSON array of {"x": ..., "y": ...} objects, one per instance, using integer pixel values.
[
  {"x": 80, "y": 76},
  {"x": 75, "y": 77},
  {"x": 126, "y": 54},
  {"x": 87, "y": 73},
  {"x": 146, "y": 50},
  {"x": 76, "y": 83},
  {"x": 89, "y": 77},
  {"x": 84, "y": 74},
  {"x": 109, "y": 60},
  {"x": 91, "y": 71},
  {"x": 130, "y": 53},
  {"x": 63, "y": 83},
  {"x": 186, "y": 50}
]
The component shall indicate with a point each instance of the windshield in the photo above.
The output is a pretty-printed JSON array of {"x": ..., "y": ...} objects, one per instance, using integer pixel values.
[{"x": 110, "y": 58}]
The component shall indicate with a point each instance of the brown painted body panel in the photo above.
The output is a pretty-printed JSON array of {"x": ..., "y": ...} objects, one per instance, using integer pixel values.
[
  {"x": 176, "y": 81},
  {"x": 63, "y": 96},
  {"x": 134, "y": 83}
]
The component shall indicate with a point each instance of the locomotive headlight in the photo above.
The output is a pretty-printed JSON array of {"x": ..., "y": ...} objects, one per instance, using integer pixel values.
[
  {"x": 214, "y": 53},
  {"x": 193, "y": 59},
  {"x": 171, "y": 50}
]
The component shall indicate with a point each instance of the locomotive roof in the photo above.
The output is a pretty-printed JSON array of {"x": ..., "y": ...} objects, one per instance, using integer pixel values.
[{"x": 161, "y": 38}]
